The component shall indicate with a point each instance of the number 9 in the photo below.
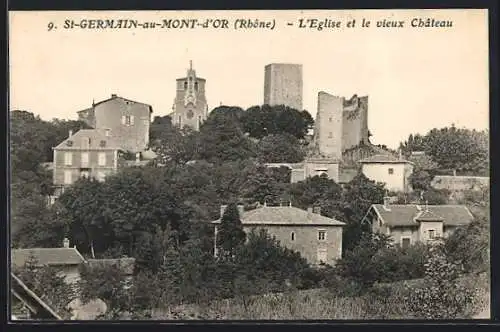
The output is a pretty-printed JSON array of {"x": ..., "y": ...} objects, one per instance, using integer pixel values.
[{"x": 50, "y": 26}]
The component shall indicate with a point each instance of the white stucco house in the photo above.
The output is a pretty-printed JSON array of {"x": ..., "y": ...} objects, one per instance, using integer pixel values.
[{"x": 394, "y": 172}]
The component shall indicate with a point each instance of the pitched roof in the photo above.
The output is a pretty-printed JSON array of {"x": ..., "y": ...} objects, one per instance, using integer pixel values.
[
  {"x": 284, "y": 215},
  {"x": 384, "y": 158},
  {"x": 47, "y": 256},
  {"x": 408, "y": 214},
  {"x": 95, "y": 136}
]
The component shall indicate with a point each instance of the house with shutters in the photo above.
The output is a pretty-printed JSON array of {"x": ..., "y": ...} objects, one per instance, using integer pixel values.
[
  {"x": 88, "y": 153},
  {"x": 410, "y": 223},
  {"x": 128, "y": 120},
  {"x": 317, "y": 238}
]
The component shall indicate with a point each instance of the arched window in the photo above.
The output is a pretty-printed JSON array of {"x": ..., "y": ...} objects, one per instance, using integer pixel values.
[
  {"x": 196, "y": 86},
  {"x": 292, "y": 236},
  {"x": 185, "y": 85}
]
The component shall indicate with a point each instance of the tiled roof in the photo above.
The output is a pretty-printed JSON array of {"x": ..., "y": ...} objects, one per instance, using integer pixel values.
[
  {"x": 47, "y": 256},
  {"x": 278, "y": 215},
  {"x": 384, "y": 158},
  {"x": 406, "y": 215},
  {"x": 427, "y": 215},
  {"x": 95, "y": 136},
  {"x": 126, "y": 264}
]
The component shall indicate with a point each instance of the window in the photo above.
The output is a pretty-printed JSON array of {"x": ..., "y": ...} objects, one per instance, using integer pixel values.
[
  {"x": 101, "y": 176},
  {"x": 128, "y": 120},
  {"x": 68, "y": 158},
  {"x": 102, "y": 144},
  {"x": 330, "y": 135},
  {"x": 322, "y": 255},
  {"x": 432, "y": 234},
  {"x": 196, "y": 86},
  {"x": 185, "y": 85},
  {"x": 102, "y": 159},
  {"x": 322, "y": 235},
  {"x": 405, "y": 242},
  {"x": 85, "y": 159},
  {"x": 84, "y": 174},
  {"x": 391, "y": 170},
  {"x": 68, "y": 177},
  {"x": 330, "y": 119},
  {"x": 292, "y": 236},
  {"x": 69, "y": 143}
]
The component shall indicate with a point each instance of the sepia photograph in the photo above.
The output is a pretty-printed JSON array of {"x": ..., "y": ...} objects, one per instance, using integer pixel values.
[{"x": 249, "y": 165}]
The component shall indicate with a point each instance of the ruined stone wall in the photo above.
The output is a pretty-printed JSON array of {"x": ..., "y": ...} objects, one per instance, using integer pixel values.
[
  {"x": 355, "y": 122},
  {"x": 328, "y": 126}
]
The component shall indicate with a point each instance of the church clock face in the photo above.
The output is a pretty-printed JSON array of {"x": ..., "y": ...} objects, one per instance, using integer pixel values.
[{"x": 190, "y": 114}]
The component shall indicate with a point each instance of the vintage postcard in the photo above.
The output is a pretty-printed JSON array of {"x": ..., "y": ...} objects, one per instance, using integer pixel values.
[{"x": 249, "y": 165}]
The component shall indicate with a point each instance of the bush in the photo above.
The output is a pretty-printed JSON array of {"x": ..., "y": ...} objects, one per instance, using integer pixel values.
[{"x": 443, "y": 296}]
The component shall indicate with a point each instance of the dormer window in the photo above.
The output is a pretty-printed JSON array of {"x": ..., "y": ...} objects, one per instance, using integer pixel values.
[
  {"x": 102, "y": 144},
  {"x": 391, "y": 170}
]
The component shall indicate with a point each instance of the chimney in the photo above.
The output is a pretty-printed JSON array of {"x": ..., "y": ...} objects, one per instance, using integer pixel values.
[
  {"x": 138, "y": 156},
  {"x": 222, "y": 210},
  {"x": 241, "y": 209},
  {"x": 70, "y": 133},
  {"x": 65, "y": 243},
  {"x": 108, "y": 132},
  {"x": 316, "y": 209},
  {"x": 386, "y": 203},
  {"x": 426, "y": 205},
  {"x": 309, "y": 213}
]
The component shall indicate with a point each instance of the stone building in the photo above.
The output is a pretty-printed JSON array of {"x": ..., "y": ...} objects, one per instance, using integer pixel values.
[
  {"x": 394, "y": 172},
  {"x": 87, "y": 153},
  {"x": 283, "y": 85},
  {"x": 317, "y": 238},
  {"x": 128, "y": 120},
  {"x": 408, "y": 224},
  {"x": 190, "y": 105},
  {"x": 65, "y": 260}
]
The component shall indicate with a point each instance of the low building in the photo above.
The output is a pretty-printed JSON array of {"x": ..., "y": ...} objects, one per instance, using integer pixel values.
[
  {"x": 311, "y": 167},
  {"x": 317, "y": 238},
  {"x": 409, "y": 223},
  {"x": 394, "y": 172},
  {"x": 66, "y": 260}
]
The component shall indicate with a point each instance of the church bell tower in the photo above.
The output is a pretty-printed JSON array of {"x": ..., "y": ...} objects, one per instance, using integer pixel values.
[{"x": 190, "y": 104}]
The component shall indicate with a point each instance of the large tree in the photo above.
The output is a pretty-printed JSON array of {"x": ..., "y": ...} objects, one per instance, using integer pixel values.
[
  {"x": 359, "y": 194},
  {"x": 230, "y": 235},
  {"x": 280, "y": 148},
  {"x": 260, "y": 121}
]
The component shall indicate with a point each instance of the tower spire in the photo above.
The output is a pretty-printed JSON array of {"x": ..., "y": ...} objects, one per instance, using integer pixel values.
[{"x": 190, "y": 64}]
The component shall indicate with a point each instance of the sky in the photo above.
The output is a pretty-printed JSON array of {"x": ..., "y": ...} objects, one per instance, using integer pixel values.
[{"x": 416, "y": 79}]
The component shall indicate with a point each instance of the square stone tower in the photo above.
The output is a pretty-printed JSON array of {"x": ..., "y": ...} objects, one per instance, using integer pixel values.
[
  {"x": 190, "y": 104},
  {"x": 283, "y": 85}
]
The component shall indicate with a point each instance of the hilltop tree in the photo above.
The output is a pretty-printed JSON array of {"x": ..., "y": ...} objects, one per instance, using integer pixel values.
[
  {"x": 359, "y": 195},
  {"x": 231, "y": 234},
  {"x": 280, "y": 148},
  {"x": 221, "y": 139},
  {"x": 260, "y": 121}
]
